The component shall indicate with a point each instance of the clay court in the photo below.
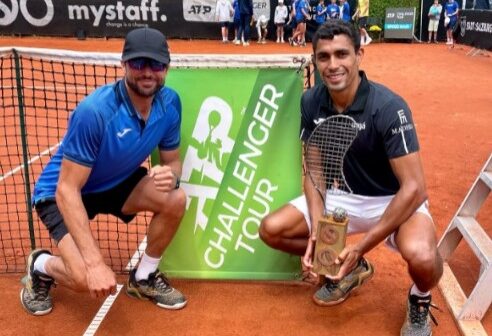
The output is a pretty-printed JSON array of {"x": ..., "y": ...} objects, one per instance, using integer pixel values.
[{"x": 450, "y": 95}]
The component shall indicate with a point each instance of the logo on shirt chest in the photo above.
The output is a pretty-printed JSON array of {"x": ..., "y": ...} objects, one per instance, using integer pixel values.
[
  {"x": 360, "y": 125},
  {"x": 123, "y": 132}
]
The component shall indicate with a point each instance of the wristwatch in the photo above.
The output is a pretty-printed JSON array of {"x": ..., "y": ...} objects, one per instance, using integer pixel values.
[{"x": 178, "y": 180}]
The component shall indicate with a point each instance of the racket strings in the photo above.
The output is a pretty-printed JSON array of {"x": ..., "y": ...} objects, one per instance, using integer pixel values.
[{"x": 325, "y": 153}]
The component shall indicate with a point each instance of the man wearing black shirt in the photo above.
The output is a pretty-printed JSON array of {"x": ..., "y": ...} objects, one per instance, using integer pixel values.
[{"x": 382, "y": 168}]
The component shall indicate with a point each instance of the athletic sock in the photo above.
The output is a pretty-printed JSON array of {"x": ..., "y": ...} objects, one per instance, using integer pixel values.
[
  {"x": 40, "y": 262},
  {"x": 146, "y": 266},
  {"x": 415, "y": 291}
]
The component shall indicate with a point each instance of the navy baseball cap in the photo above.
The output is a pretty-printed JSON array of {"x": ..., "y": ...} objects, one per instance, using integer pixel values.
[{"x": 146, "y": 42}]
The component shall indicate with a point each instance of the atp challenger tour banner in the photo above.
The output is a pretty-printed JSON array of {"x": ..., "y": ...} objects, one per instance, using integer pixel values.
[{"x": 241, "y": 160}]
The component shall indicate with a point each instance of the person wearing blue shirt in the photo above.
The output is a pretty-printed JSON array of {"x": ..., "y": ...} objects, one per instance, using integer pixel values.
[
  {"x": 302, "y": 16},
  {"x": 98, "y": 169},
  {"x": 451, "y": 15},
  {"x": 333, "y": 10},
  {"x": 320, "y": 12},
  {"x": 434, "y": 16},
  {"x": 236, "y": 21},
  {"x": 345, "y": 10},
  {"x": 245, "y": 15}
]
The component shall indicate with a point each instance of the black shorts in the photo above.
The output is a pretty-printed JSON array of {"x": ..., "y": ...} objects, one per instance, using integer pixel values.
[
  {"x": 363, "y": 22},
  {"x": 106, "y": 202}
]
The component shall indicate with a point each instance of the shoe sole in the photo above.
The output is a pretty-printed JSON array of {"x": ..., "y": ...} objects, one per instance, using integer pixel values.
[
  {"x": 27, "y": 278},
  {"x": 360, "y": 283},
  {"x": 36, "y": 313},
  {"x": 134, "y": 293},
  {"x": 401, "y": 334}
]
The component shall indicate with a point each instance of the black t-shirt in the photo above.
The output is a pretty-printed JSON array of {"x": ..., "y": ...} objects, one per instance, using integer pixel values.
[{"x": 386, "y": 131}]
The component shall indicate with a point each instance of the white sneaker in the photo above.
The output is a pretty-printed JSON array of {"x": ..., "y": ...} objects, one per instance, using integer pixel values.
[
  {"x": 245, "y": 44},
  {"x": 282, "y": 41},
  {"x": 368, "y": 40},
  {"x": 237, "y": 42},
  {"x": 278, "y": 40}
]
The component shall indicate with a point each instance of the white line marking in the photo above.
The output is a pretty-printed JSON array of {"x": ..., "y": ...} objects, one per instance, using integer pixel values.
[
  {"x": 101, "y": 314},
  {"x": 35, "y": 158}
]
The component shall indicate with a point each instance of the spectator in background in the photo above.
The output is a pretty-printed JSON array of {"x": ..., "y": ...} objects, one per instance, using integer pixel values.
[
  {"x": 262, "y": 28},
  {"x": 361, "y": 14},
  {"x": 236, "y": 21},
  {"x": 223, "y": 14},
  {"x": 333, "y": 11},
  {"x": 281, "y": 14},
  {"x": 245, "y": 15},
  {"x": 302, "y": 16},
  {"x": 451, "y": 13},
  {"x": 321, "y": 13},
  {"x": 292, "y": 23},
  {"x": 434, "y": 15},
  {"x": 344, "y": 10}
]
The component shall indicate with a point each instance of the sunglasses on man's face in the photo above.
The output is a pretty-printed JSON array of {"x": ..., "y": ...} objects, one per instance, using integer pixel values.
[{"x": 142, "y": 62}]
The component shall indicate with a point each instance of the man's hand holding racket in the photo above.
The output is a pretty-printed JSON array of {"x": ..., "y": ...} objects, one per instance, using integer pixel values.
[
  {"x": 316, "y": 212},
  {"x": 324, "y": 158}
]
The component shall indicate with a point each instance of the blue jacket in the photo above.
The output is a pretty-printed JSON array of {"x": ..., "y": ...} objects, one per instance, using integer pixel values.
[{"x": 246, "y": 7}]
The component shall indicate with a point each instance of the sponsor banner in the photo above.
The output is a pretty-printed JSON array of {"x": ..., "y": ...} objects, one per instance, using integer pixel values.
[
  {"x": 475, "y": 28},
  {"x": 399, "y": 23},
  {"x": 241, "y": 160},
  {"x": 114, "y": 18}
]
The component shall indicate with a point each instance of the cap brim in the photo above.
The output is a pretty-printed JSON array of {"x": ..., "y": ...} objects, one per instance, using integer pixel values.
[{"x": 158, "y": 58}]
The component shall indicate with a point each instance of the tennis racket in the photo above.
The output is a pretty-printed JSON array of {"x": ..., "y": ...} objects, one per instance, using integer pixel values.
[{"x": 324, "y": 154}]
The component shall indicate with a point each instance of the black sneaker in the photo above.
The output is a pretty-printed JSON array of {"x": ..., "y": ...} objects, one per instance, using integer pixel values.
[
  {"x": 332, "y": 293},
  {"x": 156, "y": 289},
  {"x": 417, "y": 322},
  {"x": 35, "y": 296}
]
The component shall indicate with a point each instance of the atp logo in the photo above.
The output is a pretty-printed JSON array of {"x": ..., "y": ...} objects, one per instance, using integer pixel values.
[{"x": 206, "y": 157}]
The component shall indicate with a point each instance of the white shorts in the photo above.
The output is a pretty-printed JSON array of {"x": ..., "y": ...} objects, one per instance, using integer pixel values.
[
  {"x": 364, "y": 211},
  {"x": 433, "y": 24}
]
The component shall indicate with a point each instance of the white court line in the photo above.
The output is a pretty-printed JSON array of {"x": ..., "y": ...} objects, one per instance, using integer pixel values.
[
  {"x": 35, "y": 158},
  {"x": 101, "y": 314}
]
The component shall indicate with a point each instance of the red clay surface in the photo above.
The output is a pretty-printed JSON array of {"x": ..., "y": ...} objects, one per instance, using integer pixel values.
[{"x": 449, "y": 93}]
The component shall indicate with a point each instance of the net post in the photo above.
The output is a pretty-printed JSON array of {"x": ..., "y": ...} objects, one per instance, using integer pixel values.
[{"x": 25, "y": 158}]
